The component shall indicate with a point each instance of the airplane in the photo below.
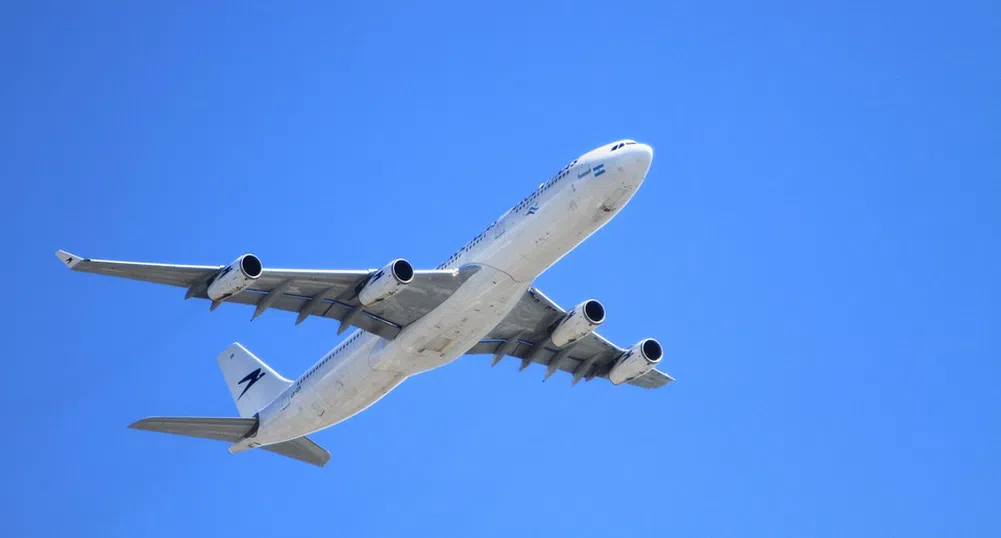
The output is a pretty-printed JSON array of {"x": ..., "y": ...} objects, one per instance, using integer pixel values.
[{"x": 480, "y": 300}]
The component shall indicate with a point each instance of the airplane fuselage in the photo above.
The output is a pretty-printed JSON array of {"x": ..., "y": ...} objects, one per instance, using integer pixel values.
[{"x": 509, "y": 255}]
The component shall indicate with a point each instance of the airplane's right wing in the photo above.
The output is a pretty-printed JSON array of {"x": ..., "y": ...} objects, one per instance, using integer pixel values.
[{"x": 335, "y": 294}]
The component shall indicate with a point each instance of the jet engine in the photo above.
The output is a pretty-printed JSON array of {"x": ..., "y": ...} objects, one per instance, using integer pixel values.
[
  {"x": 580, "y": 322},
  {"x": 386, "y": 282},
  {"x": 235, "y": 278},
  {"x": 636, "y": 361}
]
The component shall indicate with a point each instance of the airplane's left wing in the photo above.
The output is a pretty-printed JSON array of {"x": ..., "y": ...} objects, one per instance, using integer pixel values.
[
  {"x": 526, "y": 334},
  {"x": 329, "y": 293}
]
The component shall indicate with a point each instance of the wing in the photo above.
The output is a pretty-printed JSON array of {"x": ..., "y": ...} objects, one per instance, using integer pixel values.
[
  {"x": 524, "y": 333},
  {"x": 331, "y": 294}
]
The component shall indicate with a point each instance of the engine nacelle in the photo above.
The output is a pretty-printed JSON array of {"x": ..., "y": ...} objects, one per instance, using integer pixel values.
[
  {"x": 636, "y": 361},
  {"x": 386, "y": 282},
  {"x": 235, "y": 278},
  {"x": 580, "y": 322}
]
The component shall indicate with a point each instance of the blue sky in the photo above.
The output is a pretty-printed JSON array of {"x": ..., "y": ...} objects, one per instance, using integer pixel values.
[{"x": 817, "y": 245}]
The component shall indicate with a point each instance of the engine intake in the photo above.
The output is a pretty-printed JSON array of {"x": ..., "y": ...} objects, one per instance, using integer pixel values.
[
  {"x": 636, "y": 361},
  {"x": 579, "y": 322},
  {"x": 386, "y": 282},
  {"x": 235, "y": 277}
]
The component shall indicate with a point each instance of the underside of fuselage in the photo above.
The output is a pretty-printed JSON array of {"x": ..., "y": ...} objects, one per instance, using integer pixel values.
[{"x": 509, "y": 255}]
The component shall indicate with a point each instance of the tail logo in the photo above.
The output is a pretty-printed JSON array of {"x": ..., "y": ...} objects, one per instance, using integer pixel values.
[{"x": 250, "y": 379}]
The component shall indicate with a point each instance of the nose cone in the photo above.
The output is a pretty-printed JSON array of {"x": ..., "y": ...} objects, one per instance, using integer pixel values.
[
  {"x": 634, "y": 160},
  {"x": 643, "y": 156},
  {"x": 625, "y": 157}
]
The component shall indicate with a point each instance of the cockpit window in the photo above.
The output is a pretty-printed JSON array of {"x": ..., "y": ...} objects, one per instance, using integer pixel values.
[{"x": 622, "y": 144}]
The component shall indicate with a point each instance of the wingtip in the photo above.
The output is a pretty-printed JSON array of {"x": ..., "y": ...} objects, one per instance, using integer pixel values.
[
  {"x": 68, "y": 258},
  {"x": 139, "y": 424}
]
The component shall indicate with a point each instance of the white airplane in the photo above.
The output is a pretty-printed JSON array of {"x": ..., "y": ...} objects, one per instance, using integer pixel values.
[{"x": 478, "y": 301}]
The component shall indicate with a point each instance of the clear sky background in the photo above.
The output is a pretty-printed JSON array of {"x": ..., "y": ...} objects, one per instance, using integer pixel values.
[{"x": 817, "y": 246}]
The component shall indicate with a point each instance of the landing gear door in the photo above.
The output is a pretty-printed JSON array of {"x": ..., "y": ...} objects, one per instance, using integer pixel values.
[{"x": 614, "y": 201}]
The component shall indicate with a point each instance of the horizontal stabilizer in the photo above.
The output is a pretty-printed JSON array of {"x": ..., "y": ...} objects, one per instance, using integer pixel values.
[
  {"x": 221, "y": 429},
  {"x": 302, "y": 449},
  {"x": 233, "y": 430}
]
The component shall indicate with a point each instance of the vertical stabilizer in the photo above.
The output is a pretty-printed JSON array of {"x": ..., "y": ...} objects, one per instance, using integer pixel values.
[{"x": 252, "y": 383}]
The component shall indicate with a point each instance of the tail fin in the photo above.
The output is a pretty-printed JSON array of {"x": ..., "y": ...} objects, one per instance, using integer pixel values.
[{"x": 252, "y": 383}]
